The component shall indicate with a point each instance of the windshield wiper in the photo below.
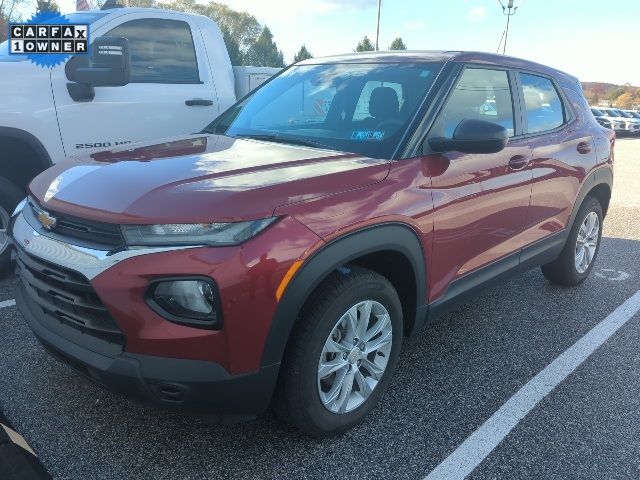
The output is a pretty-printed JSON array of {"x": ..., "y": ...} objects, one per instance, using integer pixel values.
[{"x": 275, "y": 138}]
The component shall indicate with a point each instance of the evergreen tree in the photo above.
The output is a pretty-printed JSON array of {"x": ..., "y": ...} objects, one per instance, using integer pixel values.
[
  {"x": 397, "y": 44},
  {"x": 303, "y": 54},
  {"x": 264, "y": 51},
  {"x": 365, "y": 45}
]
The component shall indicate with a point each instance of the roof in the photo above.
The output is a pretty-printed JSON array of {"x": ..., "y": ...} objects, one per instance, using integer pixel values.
[{"x": 409, "y": 56}]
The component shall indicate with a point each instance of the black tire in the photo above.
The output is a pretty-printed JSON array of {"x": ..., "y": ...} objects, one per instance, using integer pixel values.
[
  {"x": 10, "y": 196},
  {"x": 297, "y": 400},
  {"x": 563, "y": 271}
]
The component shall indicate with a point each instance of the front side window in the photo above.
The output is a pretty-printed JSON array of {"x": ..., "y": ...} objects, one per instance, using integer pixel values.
[
  {"x": 542, "y": 102},
  {"x": 162, "y": 51},
  {"x": 361, "y": 108},
  {"x": 480, "y": 95}
]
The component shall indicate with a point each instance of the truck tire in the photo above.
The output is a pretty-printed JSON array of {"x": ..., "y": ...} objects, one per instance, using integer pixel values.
[
  {"x": 575, "y": 262},
  {"x": 334, "y": 372},
  {"x": 10, "y": 196}
]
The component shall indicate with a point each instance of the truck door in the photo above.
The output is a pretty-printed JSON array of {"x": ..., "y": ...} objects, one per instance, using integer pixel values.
[{"x": 171, "y": 91}]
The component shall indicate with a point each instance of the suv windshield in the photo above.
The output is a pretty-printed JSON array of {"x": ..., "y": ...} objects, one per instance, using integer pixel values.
[{"x": 359, "y": 108}]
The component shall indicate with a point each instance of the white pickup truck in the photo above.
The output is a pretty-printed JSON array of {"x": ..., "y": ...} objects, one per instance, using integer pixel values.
[{"x": 178, "y": 79}]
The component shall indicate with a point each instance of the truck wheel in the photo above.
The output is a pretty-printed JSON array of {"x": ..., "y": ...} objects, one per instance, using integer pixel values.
[
  {"x": 575, "y": 262},
  {"x": 10, "y": 196},
  {"x": 341, "y": 354}
]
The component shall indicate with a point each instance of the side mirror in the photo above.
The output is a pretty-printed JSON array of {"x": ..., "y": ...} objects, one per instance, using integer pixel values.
[
  {"x": 110, "y": 63},
  {"x": 473, "y": 136}
]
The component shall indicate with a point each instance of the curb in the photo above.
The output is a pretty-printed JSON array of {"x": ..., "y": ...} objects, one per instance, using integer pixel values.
[{"x": 18, "y": 461}]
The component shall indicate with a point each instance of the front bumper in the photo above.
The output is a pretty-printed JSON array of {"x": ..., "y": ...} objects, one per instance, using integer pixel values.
[{"x": 195, "y": 385}]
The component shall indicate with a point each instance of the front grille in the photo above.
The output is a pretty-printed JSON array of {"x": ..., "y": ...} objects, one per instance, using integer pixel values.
[
  {"x": 86, "y": 231},
  {"x": 67, "y": 297}
]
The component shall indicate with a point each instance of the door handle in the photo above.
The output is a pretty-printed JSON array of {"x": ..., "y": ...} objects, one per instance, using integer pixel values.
[
  {"x": 198, "y": 102},
  {"x": 584, "y": 147},
  {"x": 518, "y": 162}
]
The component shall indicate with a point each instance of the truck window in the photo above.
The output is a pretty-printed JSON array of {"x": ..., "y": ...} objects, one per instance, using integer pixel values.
[{"x": 162, "y": 51}]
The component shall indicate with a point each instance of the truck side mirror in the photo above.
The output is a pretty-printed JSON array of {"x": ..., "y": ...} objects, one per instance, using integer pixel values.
[
  {"x": 110, "y": 63},
  {"x": 109, "y": 66}
]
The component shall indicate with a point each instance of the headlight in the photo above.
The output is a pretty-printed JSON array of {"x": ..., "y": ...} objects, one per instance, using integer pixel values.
[
  {"x": 194, "y": 233},
  {"x": 187, "y": 301}
]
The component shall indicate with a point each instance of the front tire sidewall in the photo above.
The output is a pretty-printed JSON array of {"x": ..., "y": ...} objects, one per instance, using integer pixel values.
[
  {"x": 10, "y": 196},
  {"x": 317, "y": 414}
]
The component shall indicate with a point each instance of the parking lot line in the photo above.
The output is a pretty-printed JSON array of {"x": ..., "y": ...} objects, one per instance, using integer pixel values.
[
  {"x": 464, "y": 459},
  {"x": 7, "y": 303}
]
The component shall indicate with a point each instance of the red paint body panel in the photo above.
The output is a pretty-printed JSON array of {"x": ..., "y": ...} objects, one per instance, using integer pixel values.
[
  {"x": 247, "y": 279},
  {"x": 232, "y": 180}
]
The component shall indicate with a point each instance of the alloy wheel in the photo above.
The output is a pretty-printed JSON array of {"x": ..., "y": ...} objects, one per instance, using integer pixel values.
[
  {"x": 355, "y": 356},
  {"x": 587, "y": 242},
  {"x": 4, "y": 229}
]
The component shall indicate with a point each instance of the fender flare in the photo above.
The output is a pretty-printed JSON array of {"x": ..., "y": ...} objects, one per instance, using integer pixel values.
[
  {"x": 44, "y": 160},
  {"x": 397, "y": 237},
  {"x": 601, "y": 176}
]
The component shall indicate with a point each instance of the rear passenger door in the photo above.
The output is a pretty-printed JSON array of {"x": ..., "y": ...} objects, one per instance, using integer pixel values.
[
  {"x": 563, "y": 152},
  {"x": 480, "y": 200}
]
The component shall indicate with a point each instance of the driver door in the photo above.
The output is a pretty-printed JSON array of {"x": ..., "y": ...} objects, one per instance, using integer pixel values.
[{"x": 480, "y": 200}]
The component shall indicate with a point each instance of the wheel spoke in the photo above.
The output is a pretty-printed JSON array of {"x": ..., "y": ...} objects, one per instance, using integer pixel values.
[
  {"x": 363, "y": 322},
  {"x": 334, "y": 347},
  {"x": 345, "y": 393},
  {"x": 378, "y": 343},
  {"x": 333, "y": 393},
  {"x": 382, "y": 322},
  {"x": 363, "y": 385},
  {"x": 375, "y": 370},
  {"x": 352, "y": 323},
  {"x": 327, "y": 368}
]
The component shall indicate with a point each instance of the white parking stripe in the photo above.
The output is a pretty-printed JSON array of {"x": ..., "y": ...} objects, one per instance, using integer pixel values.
[
  {"x": 7, "y": 303},
  {"x": 481, "y": 443}
]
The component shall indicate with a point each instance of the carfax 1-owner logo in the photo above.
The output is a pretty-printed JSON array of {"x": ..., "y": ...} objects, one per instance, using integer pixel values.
[{"x": 48, "y": 39}]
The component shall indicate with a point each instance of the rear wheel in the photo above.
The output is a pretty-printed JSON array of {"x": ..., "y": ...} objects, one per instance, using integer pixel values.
[
  {"x": 342, "y": 353},
  {"x": 575, "y": 262},
  {"x": 10, "y": 196}
]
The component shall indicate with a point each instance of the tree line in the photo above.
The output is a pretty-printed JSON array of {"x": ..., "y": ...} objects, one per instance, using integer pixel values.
[
  {"x": 620, "y": 96},
  {"x": 248, "y": 41}
]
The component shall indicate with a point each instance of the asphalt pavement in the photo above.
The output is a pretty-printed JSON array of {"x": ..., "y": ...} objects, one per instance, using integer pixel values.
[{"x": 449, "y": 382}]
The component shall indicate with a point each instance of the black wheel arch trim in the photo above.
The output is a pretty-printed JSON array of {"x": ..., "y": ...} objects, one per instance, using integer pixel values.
[
  {"x": 44, "y": 160},
  {"x": 603, "y": 175},
  {"x": 397, "y": 237}
]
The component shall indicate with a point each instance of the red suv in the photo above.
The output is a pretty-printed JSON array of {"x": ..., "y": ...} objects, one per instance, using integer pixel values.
[{"x": 280, "y": 256}]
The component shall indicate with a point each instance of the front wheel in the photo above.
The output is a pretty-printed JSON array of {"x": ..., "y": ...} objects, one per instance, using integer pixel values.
[
  {"x": 10, "y": 196},
  {"x": 342, "y": 353},
  {"x": 575, "y": 262}
]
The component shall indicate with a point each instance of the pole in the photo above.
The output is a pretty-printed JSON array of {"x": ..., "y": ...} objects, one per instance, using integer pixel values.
[
  {"x": 378, "y": 27},
  {"x": 506, "y": 34}
]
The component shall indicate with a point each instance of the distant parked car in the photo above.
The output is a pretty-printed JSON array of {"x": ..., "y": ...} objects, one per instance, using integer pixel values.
[
  {"x": 631, "y": 124},
  {"x": 608, "y": 122}
]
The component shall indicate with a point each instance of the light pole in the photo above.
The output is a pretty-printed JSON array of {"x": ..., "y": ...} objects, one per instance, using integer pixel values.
[
  {"x": 508, "y": 10},
  {"x": 378, "y": 27}
]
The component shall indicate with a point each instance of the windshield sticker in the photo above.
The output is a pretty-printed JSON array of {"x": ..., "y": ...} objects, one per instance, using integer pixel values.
[{"x": 376, "y": 136}]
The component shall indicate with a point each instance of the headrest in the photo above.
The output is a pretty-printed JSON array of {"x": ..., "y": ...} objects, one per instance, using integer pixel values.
[{"x": 383, "y": 103}]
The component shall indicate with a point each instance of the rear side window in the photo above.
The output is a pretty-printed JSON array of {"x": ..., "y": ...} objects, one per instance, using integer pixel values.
[
  {"x": 543, "y": 104},
  {"x": 481, "y": 95},
  {"x": 162, "y": 51}
]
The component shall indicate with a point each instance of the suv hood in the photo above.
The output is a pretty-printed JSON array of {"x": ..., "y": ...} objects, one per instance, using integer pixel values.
[{"x": 199, "y": 178}]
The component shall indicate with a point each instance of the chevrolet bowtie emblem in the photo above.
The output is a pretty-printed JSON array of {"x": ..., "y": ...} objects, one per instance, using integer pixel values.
[{"x": 47, "y": 221}]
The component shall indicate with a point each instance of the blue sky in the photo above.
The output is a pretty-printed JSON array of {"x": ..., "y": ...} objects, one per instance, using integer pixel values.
[{"x": 596, "y": 40}]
